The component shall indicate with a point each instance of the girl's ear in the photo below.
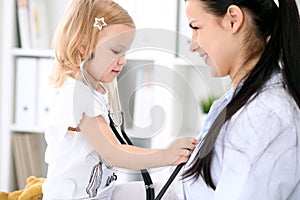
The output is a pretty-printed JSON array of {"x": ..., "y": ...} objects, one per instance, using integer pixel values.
[
  {"x": 233, "y": 18},
  {"x": 82, "y": 48},
  {"x": 82, "y": 51}
]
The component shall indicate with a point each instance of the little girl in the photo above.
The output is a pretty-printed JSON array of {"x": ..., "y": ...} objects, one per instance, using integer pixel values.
[{"x": 81, "y": 147}]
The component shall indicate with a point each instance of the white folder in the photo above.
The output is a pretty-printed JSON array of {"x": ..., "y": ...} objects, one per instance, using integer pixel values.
[
  {"x": 45, "y": 92},
  {"x": 23, "y": 23},
  {"x": 26, "y": 75}
]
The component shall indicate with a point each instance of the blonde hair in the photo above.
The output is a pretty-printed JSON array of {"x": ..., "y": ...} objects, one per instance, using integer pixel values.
[{"x": 75, "y": 38}]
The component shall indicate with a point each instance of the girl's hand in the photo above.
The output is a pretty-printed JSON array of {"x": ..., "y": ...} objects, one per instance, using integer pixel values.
[{"x": 180, "y": 150}]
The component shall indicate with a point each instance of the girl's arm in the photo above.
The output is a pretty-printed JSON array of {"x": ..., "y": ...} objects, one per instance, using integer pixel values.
[{"x": 101, "y": 137}]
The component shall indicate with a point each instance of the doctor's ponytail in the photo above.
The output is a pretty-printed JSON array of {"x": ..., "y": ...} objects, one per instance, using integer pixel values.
[{"x": 290, "y": 46}]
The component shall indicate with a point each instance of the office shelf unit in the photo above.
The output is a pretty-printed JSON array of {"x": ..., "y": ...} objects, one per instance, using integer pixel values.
[{"x": 11, "y": 51}]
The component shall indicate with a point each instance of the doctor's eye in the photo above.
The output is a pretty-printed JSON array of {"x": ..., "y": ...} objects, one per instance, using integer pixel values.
[
  {"x": 194, "y": 27},
  {"x": 116, "y": 51}
]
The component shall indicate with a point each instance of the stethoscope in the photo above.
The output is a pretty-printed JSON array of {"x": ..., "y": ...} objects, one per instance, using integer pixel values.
[{"x": 124, "y": 139}]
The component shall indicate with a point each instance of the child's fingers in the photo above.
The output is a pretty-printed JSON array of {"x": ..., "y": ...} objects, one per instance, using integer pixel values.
[
  {"x": 190, "y": 143},
  {"x": 192, "y": 147},
  {"x": 182, "y": 149},
  {"x": 186, "y": 153},
  {"x": 195, "y": 141}
]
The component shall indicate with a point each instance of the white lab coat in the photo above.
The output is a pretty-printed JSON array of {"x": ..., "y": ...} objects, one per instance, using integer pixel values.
[{"x": 257, "y": 154}]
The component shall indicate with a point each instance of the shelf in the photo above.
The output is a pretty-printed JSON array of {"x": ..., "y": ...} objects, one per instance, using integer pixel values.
[
  {"x": 47, "y": 53},
  {"x": 33, "y": 129}
]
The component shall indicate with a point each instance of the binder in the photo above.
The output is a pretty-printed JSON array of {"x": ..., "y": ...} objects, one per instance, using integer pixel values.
[
  {"x": 46, "y": 91},
  {"x": 23, "y": 23},
  {"x": 26, "y": 75}
]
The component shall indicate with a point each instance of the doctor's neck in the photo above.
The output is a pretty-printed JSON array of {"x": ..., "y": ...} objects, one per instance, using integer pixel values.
[{"x": 241, "y": 73}]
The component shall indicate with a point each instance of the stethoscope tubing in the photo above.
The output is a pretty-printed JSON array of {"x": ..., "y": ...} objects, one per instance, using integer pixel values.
[
  {"x": 150, "y": 193},
  {"x": 145, "y": 174}
]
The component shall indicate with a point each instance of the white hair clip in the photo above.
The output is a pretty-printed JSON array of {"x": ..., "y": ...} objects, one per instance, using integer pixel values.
[{"x": 99, "y": 23}]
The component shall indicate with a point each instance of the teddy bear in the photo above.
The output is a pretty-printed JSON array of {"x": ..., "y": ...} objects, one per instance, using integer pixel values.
[{"x": 32, "y": 191}]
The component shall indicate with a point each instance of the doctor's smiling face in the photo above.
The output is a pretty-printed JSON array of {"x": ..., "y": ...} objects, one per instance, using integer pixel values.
[
  {"x": 109, "y": 55},
  {"x": 216, "y": 38}
]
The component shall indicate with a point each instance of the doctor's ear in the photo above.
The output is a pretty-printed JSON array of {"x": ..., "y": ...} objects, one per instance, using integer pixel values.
[{"x": 233, "y": 18}]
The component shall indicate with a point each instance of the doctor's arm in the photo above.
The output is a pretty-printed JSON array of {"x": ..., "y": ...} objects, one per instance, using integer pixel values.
[{"x": 101, "y": 137}]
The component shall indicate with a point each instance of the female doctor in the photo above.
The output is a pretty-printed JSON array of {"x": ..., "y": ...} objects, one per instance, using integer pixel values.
[{"x": 250, "y": 143}]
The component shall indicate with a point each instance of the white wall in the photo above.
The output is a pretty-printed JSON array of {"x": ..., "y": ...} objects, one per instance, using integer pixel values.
[
  {"x": 1, "y": 28},
  {"x": 55, "y": 11},
  {"x": 142, "y": 13}
]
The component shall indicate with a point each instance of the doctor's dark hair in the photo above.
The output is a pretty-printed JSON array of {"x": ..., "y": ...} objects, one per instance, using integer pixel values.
[{"x": 278, "y": 30}]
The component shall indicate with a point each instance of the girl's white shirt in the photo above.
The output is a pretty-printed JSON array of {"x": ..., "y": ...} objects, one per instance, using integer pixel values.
[
  {"x": 69, "y": 155},
  {"x": 257, "y": 154}
]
